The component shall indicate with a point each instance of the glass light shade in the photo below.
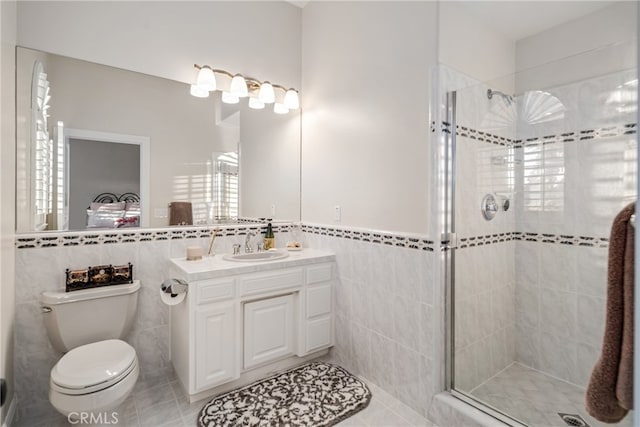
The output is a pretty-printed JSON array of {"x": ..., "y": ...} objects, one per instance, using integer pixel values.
[
  {"x": 239, "y": 86},
  {"x": 291, "y": 99},
  {"x": 206, "y": 79},
  {"x": 267, "y": 95},
  {"x": 229, "y": 98},
  {"x": 280, "y": 108},
  {"x": 255, "y": 103},
  {"x": 199, "y": 91}
]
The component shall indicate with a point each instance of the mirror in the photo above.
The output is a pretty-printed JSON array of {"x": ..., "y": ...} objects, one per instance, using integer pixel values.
[{"x": 98, "y": 128}]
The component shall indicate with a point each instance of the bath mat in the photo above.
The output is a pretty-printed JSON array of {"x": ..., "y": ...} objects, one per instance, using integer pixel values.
[{"x": 312, "y": 395}]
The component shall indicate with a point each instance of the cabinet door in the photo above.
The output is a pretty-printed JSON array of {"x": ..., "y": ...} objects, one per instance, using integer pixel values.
[
  {"x": 215, "y": 345},
  {"x": 269, "y": 331},
  {"x": 319, "y": 324}
]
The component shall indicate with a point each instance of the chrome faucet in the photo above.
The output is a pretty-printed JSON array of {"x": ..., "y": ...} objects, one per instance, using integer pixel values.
[{"x": 247, "y": 247}]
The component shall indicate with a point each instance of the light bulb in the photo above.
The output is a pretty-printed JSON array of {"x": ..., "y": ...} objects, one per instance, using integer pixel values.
[
  {"x": 199, "y": 91},
  {"x": 280, "y": 108},
  {"x": 206, "y": 79},
  {"x": 239, "y": 86},
  {"x": 267, "y": 94},
  {"x": 255, "y": 103},
  {"x": 229, "y": 98},
  {"x": 291, "y": 99}
]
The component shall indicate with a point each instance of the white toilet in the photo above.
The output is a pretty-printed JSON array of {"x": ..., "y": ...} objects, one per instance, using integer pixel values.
[{"x": 99, "y": 370}]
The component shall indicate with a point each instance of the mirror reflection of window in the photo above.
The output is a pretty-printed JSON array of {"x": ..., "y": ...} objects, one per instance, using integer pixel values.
[
  {"x": 225, "y": 186},
  {"x": 42, "y": 179}
]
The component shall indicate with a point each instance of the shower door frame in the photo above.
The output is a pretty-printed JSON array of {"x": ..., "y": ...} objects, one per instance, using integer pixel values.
[{"x": 448, "y": 249}]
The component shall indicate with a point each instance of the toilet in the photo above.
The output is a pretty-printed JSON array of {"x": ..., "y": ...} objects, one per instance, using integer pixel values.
[{"x": 98, "y": 370}]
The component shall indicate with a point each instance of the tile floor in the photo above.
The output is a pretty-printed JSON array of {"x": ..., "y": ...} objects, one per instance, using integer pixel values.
[
  {"x": 535, "y": 398},
  {"x": 159, "y": 402}
]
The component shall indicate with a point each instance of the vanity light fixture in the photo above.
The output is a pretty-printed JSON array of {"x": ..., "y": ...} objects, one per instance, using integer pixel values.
[
  {"x": 236, "y": 86},
  {"x": 266, "y": 93},
  {"x": 255, "y": 103},
  {"x": 229, "y": 98},
  {"x": 239, "y": 86},
  {"x": 199, "y": 91},
  {"x": 206, "y": 79},
  {"x": 279, "y": 108},
  {"x": 291, "y": 99}
]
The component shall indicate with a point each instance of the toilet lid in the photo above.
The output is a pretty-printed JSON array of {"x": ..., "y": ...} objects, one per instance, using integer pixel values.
[{"x": 92, "y": 364}]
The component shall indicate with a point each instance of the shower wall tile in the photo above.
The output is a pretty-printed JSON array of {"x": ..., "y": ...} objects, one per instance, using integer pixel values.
[
  {"x": 591, "y": 316},
  {"x": 559, "y": 312},
  {"x": 567, "y": 174},
  {"x": 485, "y": 317}
]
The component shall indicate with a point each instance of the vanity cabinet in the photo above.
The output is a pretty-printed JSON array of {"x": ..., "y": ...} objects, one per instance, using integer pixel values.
[
  {"x": 215, "y": 344},
  {"x": 234, "y": 329},
  {"x": 269, "y": 330}
]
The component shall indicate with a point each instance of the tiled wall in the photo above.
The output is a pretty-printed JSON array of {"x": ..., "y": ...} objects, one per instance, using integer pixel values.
[
  {"x": 386, "y": 315},
  {"x": 567, "y": 177},
  {"x": 484, "y": 292},
  {"x": 588, "y": 161},
  {"x": 40, "y": 264}
]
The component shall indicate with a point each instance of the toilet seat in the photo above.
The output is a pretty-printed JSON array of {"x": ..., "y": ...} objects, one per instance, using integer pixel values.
[{"x": 93, "y": 367}]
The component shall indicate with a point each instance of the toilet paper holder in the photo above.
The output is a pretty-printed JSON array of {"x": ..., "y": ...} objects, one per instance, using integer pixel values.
[{"x": 174, "y": 287}]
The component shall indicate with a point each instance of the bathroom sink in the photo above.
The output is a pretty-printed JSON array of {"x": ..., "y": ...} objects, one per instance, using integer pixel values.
[{"x": 257, "y": 256}]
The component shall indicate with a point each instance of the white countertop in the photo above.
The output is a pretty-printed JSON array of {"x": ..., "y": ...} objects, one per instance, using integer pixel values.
[{"x": 215, "y": 266}]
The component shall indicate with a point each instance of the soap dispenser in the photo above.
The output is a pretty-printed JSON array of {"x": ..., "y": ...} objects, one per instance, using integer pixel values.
[{"x": 269, "y": 239}]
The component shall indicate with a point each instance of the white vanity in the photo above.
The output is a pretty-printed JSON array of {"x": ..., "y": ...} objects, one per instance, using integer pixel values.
[{"x": 241, "y": 321}]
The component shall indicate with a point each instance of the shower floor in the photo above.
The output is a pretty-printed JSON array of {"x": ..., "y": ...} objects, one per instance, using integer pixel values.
[{"x": 535, "y": 398}]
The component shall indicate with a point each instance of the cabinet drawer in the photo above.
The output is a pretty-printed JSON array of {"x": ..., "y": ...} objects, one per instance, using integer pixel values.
[
  {"x": 318, "y": 300},
  {"x": 270, "y": 280},
  {"x": 208, "y": 291},
  {"x": 319, "y": 273},
  {"x": 318, "y": 334}
]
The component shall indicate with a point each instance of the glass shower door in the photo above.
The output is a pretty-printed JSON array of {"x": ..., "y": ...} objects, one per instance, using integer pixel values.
[{"x": 541, "y": 171}]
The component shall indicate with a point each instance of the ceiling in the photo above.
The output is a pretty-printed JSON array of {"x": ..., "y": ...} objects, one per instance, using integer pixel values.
[{"x": 517, "y": 19}]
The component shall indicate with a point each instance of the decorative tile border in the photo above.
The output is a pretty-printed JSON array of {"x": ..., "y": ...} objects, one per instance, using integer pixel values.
[
  {"x": 385, "y": 238},
  {"x": 577, "y": 136},
  {"x": 103, "y": 237},
  {"x": 583, "y": 135},
  {"x": 559, "y": 239},
  {"x": 483, "y": 136},
  {"x": 562, "y": 239},
  {"x": 472, "y": 241},
  {"x": 419, "y": 242}
]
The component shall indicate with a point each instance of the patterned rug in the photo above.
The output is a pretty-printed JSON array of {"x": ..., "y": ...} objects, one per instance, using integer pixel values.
[{"x": 315, "y": 394}]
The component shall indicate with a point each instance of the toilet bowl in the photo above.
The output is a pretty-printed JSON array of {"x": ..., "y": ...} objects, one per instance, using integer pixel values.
[
  {"x": 93, "y": 378},
  {"x": 98, "y": 370}
]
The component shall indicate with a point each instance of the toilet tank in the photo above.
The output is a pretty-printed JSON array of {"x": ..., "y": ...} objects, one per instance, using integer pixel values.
[{"x": 76, "y": 318}]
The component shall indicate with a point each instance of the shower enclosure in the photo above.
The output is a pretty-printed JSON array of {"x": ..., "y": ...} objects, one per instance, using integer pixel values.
[{"x": 536, "y": 166}]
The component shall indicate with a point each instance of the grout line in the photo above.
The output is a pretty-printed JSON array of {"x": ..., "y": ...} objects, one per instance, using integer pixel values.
[
  {"x": 492, "y": 377},
  {"x": 551, "y": 376}
]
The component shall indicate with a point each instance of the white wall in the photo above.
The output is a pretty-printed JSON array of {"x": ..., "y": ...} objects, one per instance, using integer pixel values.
[
  {"x": 471, "y": 46},
  {"x": 259, "y": 39},
  {"x": 7, "y": 195},
  {"x": 366, "y": 69},
  {"x": 590, "y": 46},
  {"x": 269, "y": 164}
]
